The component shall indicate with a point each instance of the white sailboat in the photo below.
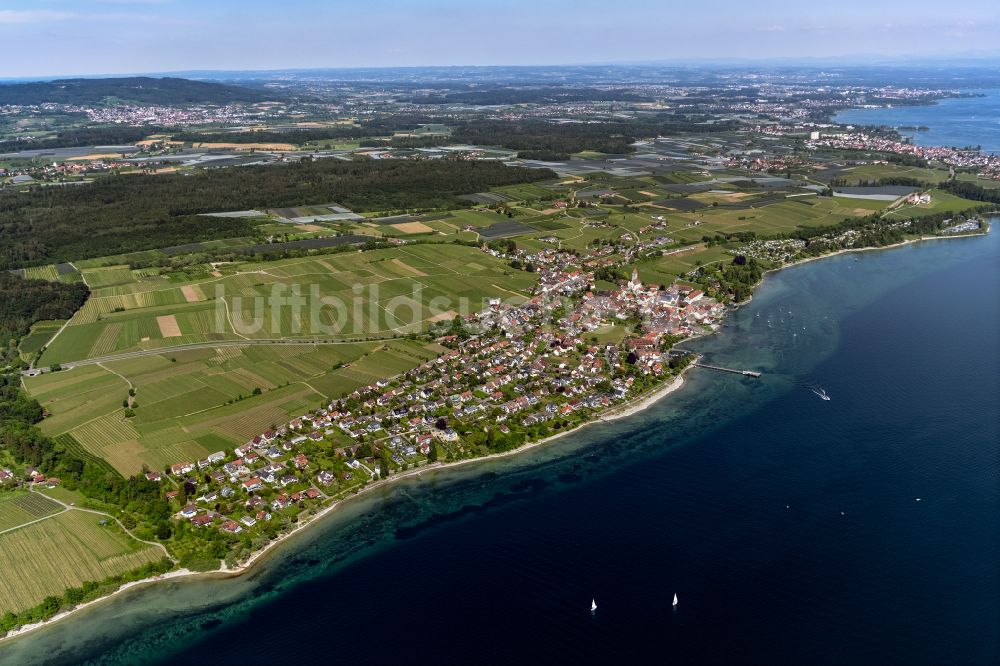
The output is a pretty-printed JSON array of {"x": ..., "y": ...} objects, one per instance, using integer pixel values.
[
  {"x": 593, "y": 605},
  {"x": 675, "y": 599}
]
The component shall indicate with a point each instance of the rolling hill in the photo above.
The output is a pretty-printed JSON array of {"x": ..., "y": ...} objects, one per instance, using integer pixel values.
[{"x": 134, "y": 89}]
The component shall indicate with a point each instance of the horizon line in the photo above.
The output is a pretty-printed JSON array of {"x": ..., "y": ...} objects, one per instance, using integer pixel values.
[{"x": 845, "y": 61}]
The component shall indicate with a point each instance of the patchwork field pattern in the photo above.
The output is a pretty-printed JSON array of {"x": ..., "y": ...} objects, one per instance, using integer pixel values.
[
  {"x": 381, "y": 293},
  {"x": 41, "y": 333},
  {"x": 48, "y": 557},
  {"x": 195, "y": 402},
  {"x": 23, "y": 507},
  {"x": 168, "y": 326}
]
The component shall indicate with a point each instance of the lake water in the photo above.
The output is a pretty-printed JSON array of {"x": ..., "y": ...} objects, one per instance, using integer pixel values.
[
  {"x": 959, "y": 122},
  {"x": 788, "y": 526}
]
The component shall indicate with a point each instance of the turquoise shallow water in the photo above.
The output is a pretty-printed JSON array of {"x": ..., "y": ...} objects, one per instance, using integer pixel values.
[
  {"x": 787, "y": 525},
  {"x": 960, "y": 122}
]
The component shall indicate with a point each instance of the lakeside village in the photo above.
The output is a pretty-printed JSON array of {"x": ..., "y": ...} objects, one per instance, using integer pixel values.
[
  {"x": 822, "y": 136},
  {"x": 512, "y": 374}
]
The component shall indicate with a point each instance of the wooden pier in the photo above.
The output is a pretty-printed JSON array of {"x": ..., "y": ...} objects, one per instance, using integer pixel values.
[{"x": 745, "y": 373}]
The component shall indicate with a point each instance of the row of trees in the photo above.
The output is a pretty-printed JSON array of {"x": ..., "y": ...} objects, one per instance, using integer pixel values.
[
  {"x": 883, "y": 181},
  {"x": 967, "y": 190}
]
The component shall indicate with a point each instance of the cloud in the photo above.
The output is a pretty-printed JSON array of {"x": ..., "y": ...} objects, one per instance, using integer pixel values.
[{"x": 771, "y": 28}]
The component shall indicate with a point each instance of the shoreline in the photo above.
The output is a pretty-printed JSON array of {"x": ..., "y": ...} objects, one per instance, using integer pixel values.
[
  {"x": 983, "y": 232},
  {"x": 634, "y": 406},
  {"x": 637, "y": 404}
]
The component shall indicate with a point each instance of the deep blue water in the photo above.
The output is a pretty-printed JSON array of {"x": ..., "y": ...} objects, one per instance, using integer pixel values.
[
  {"x": 959, "y": 122},
  {"x": 788, "y": 526}
]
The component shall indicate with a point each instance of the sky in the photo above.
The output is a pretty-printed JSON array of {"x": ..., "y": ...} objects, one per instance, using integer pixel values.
[{"x": 68, "y": 37}]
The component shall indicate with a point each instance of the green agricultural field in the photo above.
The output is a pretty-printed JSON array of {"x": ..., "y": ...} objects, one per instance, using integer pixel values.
[
  {"x": 331, "y": 145},
  {"x": 773, "y": 218},
  {"x": 776, "y": 218},
  {"x": 19, "y": 508},
  {"x": 548, "y": 224},
  {"x": 105, "y": 277},
  {"x": 665, "y": 270},
  {"x": 74, "y": 397},
  {"x": 41, "y": 273},
  {"x": 867, "y": 172},
  {"x": 71, "y": 276},
  {"x": 526, "y": 192},
  {"x": 476, "y": 218},
  {"x": 41, "y": 333},
  {"x": 681, "y": 177},
  {"x": 381, "y": 293},
  {"x": 941, "y": 202},
  {"x": 613, "y": 334},
  {"x": 981, "y": 182},
  {"x": 195, "y": 402},
  {"x": 64, "y": 551},
  {"x": 573, "y": 233}
]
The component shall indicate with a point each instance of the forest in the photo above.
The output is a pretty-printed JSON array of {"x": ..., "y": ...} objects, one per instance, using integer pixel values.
[
  {"x": 126, "y": 213},
  {"x": 384, "y": 126},
  {"x": 546, "y": 95},
  {"x": 297, "y": 137},
  {"x": 23, "y": 302},
  {"x": 77, "y": 471},
  {"x": 136, "y": 89},
  {"x": 541, "y": 140},
  {"x": 967, "y": 190},
  {"x": 537, "y": 139}
]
